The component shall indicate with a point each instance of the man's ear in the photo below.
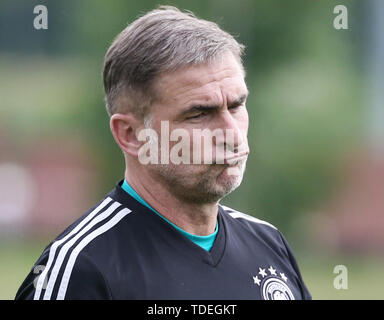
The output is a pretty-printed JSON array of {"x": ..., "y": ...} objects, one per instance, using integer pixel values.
[{"x": 124, "y": 128}]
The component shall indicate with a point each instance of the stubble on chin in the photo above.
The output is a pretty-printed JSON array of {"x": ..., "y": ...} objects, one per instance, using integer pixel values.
[{"x": 200, "y": 184}]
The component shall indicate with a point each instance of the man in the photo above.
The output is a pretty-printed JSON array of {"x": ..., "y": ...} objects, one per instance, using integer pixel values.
[{"x": 161, "y": 233}]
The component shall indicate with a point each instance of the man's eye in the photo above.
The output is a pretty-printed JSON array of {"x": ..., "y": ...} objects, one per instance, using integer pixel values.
[
  {"x": 236, "y": 107},
  {"x": 196, "y": 116}
]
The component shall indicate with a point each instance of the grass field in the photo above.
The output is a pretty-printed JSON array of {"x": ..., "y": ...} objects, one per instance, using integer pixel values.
[{"x": 365, "y": 279}]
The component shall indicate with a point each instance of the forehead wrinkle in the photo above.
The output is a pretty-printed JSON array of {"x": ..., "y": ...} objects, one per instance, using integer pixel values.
[
  {"x": 200, "y": 84},
  {"x": 198, "y": 76},
  {"x": 198, "y": 88},
  {"x": 212, "y": 98},
  {"x": 211, "y": 77}
]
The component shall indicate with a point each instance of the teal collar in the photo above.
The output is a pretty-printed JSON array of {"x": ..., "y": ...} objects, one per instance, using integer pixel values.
[{"x": 205, "y": 242}]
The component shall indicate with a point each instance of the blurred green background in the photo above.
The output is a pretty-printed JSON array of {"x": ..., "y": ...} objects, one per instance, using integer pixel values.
[{"x": 315, "y": 171}]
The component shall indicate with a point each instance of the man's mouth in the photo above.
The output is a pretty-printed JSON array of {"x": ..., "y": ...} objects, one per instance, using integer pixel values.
[{"x": 235, "y": 158}]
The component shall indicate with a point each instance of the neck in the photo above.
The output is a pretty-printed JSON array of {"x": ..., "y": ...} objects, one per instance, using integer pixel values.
[{"x": 195, "y": 218}]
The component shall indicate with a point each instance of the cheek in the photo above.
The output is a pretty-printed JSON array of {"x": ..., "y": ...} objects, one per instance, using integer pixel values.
[{"x": 243, "y": 121}]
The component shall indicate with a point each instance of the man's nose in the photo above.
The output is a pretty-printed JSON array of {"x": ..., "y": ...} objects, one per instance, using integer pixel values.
[{"x": 233, "y": 137}]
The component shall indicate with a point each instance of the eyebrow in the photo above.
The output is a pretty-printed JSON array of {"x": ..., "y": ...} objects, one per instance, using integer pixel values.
[
  {"x": 207, "y": 108},
  {"x": 238, "y": 101}
]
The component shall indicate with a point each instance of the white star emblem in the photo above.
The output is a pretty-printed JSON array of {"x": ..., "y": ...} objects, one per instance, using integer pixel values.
[
  {"x": 282, "y": 275},
  {"x": 256, "y": 280},
  {"x": 272, "y": 271},
  {"x": 262, "y": 272}
]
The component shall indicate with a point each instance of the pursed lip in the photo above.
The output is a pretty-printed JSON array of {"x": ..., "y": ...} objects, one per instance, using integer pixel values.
[{"x": 234, "y": 158}]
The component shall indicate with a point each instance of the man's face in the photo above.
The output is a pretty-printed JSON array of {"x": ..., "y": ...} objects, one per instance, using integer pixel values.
[{"x": 196, "y": 98}]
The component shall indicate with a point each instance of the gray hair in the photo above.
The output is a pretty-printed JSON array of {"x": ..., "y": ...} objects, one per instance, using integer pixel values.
[{"x": 163, "y": 40}]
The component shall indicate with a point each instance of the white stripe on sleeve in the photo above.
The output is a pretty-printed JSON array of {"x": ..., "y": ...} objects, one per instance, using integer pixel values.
[
  {"x": 63, "y": 252},
  {"x": 54, "y": 246},
  {"x": 75, "y": 252}
]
